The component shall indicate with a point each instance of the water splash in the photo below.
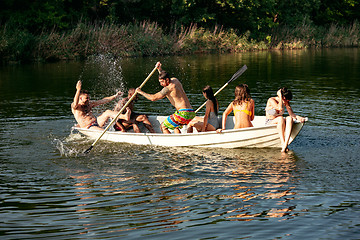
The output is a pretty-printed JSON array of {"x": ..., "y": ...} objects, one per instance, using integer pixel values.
[
  {"x": 64, "y": 150},
  {"x": 102, "y": 74}
]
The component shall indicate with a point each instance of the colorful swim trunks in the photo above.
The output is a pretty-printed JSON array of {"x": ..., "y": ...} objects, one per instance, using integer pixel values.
[{"x": 179, "y": 118}]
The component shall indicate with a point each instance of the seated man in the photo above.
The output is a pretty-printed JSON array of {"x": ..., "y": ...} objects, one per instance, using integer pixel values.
[
  {"x": 82, "y": 110},
  {"x": 135, "y": 118}
]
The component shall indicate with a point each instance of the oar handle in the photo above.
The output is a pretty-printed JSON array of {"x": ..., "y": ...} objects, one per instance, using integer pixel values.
[
  {"x": 235, "y": 76},
  {"x": 121, "y": 110}
]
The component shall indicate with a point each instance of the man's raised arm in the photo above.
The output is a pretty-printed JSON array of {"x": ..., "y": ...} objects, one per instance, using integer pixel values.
[
  {"x": 77, "y": 95},
  {"x": 106, "y": 99}
]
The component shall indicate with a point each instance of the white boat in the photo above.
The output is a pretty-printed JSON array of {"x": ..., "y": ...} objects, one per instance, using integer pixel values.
[{"x": 259, "y": 136}]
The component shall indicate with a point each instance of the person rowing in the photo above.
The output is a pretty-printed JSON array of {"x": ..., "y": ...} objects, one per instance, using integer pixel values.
[
  {"x": 81, "y": 108},
  {"x": 173, "y": 90}
]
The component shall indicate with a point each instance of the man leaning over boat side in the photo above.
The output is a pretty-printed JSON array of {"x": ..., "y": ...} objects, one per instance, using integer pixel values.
[
  {"x": 173, "y": 90},
  {"x": 82, "y": 107}
]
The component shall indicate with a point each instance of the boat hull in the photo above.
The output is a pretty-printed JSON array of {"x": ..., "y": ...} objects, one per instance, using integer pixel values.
[{"x": 259, "y": 136}]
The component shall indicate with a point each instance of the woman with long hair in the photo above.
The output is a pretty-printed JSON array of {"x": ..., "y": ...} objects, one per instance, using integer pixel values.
[
  {"x": 243, "y": 106},
  {"x": 210, "y": 121},
  {"x": 275, "y": 109}
]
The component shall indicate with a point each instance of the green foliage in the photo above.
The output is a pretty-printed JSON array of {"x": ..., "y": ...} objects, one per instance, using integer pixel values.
[
  {"x": 257, "y": 16},
  {"x": 73, "y": 29},
  {"x": 16, "y": 45}
]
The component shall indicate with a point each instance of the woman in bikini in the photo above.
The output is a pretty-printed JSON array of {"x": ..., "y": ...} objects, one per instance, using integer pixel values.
[
  {"x": 243, "y": 107},
  {"x": 210, "y": 121},
  {"x": 275, "y": 109}
]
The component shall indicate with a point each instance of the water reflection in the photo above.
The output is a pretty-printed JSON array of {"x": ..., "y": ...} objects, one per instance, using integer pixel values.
[
  {"x": 49, "y": 189},
  {"x": 165, "y": 189}
]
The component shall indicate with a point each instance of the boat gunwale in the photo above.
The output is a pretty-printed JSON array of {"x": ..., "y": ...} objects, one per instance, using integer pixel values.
[
  {"x": 185, "y": 133},
  {"x": 182, "y": 134}
]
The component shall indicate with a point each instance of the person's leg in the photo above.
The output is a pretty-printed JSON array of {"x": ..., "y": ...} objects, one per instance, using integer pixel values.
[
  {"x": 136, "y": 128},
  {"x": 164, "y": 129},
  {"x": 143, "y": 118},
  {"x": 280, "y": 125},
  {"x": 210, "y": 127},
  {"x": 288, "y": 128},
  {"x": 190, "y": 126},
  {"x": 120, "y": 127},
  {"x": 198, "y": 123}
]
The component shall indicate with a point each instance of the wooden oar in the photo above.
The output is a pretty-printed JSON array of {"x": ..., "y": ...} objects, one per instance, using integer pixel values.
[
  {"x": 233, "y": 78},
  {"x": 121, "y": 110}
]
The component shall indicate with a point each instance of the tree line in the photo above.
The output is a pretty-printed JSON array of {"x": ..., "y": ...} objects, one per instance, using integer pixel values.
[
  {"x": 51, "y": 30},
  {"x": 257, "y": 16}
]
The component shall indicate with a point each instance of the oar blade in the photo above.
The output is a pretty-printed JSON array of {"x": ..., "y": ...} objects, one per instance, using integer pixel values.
[
  {"x": 234, "y": 77},
  {"x": 88, "y": 150},
  {"x": 238, "y": 73}
]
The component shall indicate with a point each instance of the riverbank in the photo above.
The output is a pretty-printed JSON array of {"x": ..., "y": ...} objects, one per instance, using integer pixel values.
[{"x": 149, "y": 39}]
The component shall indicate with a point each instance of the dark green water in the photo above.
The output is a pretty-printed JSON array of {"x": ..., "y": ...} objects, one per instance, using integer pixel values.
[{"x": 50, "y": 191}]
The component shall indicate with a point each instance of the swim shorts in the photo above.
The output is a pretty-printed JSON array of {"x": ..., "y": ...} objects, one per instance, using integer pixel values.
[
  {"x": 179, "y": 118},
  {"x": 93, "y": 124}
]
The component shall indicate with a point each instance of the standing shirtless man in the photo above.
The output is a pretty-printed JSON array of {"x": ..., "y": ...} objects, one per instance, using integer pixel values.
[
  {"x": 173, "y": 90},
  {"x": 82, "y": 109}
]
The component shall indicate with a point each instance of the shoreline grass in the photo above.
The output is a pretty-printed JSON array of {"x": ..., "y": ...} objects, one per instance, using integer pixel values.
[{"x": 149, "y": 39}]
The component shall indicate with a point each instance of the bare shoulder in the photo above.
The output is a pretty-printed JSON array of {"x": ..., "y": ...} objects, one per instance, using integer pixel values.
[
  {"x": 209, "y": 103},
  {"x": 175, "y": 81},
  {"x": 271, "y": 101}
]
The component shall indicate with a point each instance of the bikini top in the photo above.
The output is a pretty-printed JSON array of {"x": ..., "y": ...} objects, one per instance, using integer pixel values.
[
  {"x": 249, "y": 113},
  {"x": 274, "y": 112}
]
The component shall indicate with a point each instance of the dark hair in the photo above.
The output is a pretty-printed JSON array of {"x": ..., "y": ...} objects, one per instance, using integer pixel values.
[
  {"x": 242, "y": 94},
  {"x": 163, "y": 75},
  {"x": 83, "y": 91},
  {"x": 210, "y": 95},
  {"x": 287, "y": 94}
]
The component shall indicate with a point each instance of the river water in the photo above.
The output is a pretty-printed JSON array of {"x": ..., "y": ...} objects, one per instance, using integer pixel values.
[{"x": 50, "y": 190}]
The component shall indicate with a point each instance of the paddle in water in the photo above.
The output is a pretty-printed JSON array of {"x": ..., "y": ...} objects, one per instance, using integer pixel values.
[{"x": 121, "y": 110}]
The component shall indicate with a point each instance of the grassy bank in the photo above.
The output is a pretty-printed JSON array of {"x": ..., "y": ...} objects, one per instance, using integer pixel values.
[{"x": 149, "y": 39}]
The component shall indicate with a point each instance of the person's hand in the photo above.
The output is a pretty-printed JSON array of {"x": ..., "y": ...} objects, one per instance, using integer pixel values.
[
  {"x": 78, "y": 85},
  {"x": 119, "y": 93},
  {"x": 138, "y": 90},
  {"x": 158, "y": 65},
  {"x": 219, "y": 130},
  {"x": 300, "y": 119}
]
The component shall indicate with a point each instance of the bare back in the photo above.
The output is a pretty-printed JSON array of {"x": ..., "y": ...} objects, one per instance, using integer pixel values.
[
  {"x": 244, "y": 114},
  {"x": 177, "y": 95}
]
